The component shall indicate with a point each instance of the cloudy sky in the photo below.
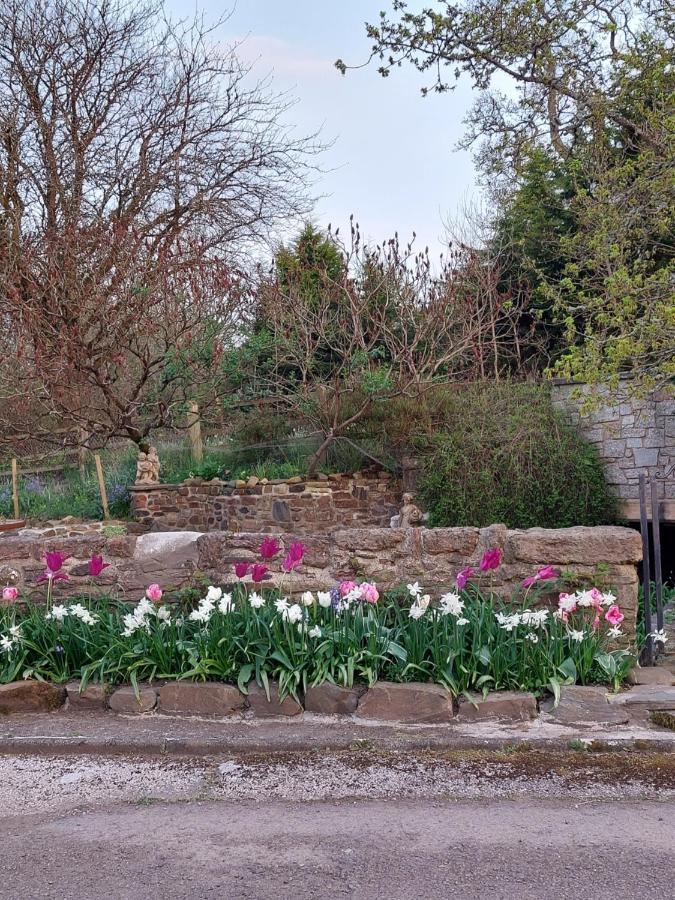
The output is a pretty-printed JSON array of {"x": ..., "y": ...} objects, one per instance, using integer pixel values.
[{"x": 392, "y": 162}]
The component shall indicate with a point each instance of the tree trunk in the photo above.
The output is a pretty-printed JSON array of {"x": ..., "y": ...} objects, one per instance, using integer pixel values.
[{"x": 320, "y": 452}]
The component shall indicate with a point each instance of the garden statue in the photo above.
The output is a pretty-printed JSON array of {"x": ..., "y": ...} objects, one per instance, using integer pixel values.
[
  {"x": 147, "y": 467},
  {"x": 410, "y": 516}
]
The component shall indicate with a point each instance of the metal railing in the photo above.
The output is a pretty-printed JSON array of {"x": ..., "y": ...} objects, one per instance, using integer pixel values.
[{"x": 650, "y": 503}]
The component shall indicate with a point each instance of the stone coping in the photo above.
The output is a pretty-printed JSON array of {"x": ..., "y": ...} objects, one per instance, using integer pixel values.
[{"x": 253, "y": 481}]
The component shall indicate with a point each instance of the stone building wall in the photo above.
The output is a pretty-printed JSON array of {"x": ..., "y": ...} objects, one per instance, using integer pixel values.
[
  {"x": 606, "y": 556},
  {"x": 295, "y": 504},
  {"x": 632, "y": 434}
]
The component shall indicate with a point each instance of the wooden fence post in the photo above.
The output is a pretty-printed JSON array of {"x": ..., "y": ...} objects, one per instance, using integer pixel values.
[
  {"x": 195, "y": 434},
  {"x": 15, "y": 488},
  {"x": 101, "y": 486}
]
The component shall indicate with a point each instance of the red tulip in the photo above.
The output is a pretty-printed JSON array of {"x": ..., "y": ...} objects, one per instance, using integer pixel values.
[
  {"x": 241, "y": 569},
  {"x": 269, "y": 548},
  {"x": 492, "y": 559},
  {"x": 96, "y": 566},
  {"x": 258, "y": 572}
]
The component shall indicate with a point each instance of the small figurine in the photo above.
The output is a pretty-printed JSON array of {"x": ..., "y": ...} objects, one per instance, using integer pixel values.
[
  {"x": 411, "y": 515},
  {"x": 147, "y": 467}
]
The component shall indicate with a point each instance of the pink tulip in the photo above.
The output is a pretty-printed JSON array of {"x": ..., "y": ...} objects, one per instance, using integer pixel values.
[
  {"x": 369, "y": 592},
  {"x": 10, "y": 594},
  {"x": 153, "y": 592},
  {"x": 294, "y": 556},
  {"x": 596, "y": 597},
  {"x": 96, "y": 566},
  {"x": 258, "y": 572},
  {"x": 241, "y": 569},
  {"x": 463, "y": 577},
  {"x": 55, "y": 561},
  {"x": 544, "y": 574},
  {"x": 346, "y": 587},
  {"x": 492, "y": 559},
  {"x": 269, "y": 548},
  {"x": 614, "y": 616}
]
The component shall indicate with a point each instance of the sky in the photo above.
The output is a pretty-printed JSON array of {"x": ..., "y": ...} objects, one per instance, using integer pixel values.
[{"x": 392, "y": 161}]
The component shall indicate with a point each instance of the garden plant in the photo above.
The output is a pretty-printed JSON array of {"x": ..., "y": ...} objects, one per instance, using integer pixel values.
[{"x": 467, "y": 639}]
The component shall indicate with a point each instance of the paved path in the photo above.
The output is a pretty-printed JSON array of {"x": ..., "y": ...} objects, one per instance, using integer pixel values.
[{"x": 429, "y": 826}]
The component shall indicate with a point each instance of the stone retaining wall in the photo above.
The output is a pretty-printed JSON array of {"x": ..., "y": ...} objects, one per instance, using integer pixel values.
[
  {"x": 606, "y": 556},
  {"x": 295, "y": 504},
  {"x": 633, "y": 435}
]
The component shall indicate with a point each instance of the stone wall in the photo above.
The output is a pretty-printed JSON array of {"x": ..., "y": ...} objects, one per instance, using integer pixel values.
[
  {"x": 632, "y": 434},
  {"x": 605, "y": 555},
  {"x": 294, "y": 504}
]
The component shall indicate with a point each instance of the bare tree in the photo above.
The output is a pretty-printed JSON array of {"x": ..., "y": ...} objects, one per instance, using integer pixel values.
[
  {"x": 138, "y": 162},
  {"x": 381, "y": 325}
]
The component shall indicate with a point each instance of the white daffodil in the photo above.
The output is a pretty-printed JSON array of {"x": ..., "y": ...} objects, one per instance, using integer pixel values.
[
  {"x": 6, "y": 643},
  {"x": 531, "y": 636},
  {"x": 608, "y": 599},
  {"x": 451, "y": 604},
  {"x": 256, "y": 600},
  {"x": 414, "y": 589},
  {"x": 462, "y": 621},
  {"x": 315, "y": 632},
  {"x": 416, "y": 611},
  {"x": 659, "y": 637},
  {"x": 225, "y": 604},
  {"x": 574, "y": 635},
  {"x": 615, "y": 632},
  {"x": 214, "y": 594},
  {"x": 293, "y": 613},
  {"x": 164, "y": 614},
  {"x": 58, "y": 613}
]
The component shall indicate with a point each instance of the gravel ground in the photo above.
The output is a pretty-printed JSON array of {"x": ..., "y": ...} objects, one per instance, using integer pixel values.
[{"x": 55, "y": 784}]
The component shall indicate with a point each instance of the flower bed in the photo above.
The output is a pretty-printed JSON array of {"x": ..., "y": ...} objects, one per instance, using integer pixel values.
[{"x": 467, "y": 639}]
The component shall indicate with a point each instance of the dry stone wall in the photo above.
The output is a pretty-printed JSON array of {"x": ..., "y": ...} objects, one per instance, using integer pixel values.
[
  {"x": 606, "y": 556},
  {"x": 312, "y": 505}
]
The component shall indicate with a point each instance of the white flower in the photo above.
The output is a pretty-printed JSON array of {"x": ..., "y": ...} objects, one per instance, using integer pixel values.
[
  {"x": 324, "y": 599},
  {"x": 144, "y": 607},
  {"x": 201, "y": 614},
  {"x": 567, "y": 602},
  {"x": 608, "y": 599},
  {"x": 256, "y": 600},
  {"x": 573, "y": 635},
  {"x": 214, "y": 594},
  {"x": 508, "y": 623},
  {"x": 163, "y": 614},
  {"x": 659, "y": 637},
  {"x": 462, "y": 621},
  {"x": 615, "y": 632},
  {"x": 451, "y": 604},
  {"x": 307, "y": 598},
  {"x": 282, "y": 605},
  {"x": 424, "y": 601},
  {"x": 293, "y": 614},
  {"x": 585, "y": 598},
  {"x": 132, "y": 622},
  {"x": 534, "y": 618},
  {"x": 6, "y": 643},
  {"x": 531, "y": 636},
  {"x": 416, "y": 611},
  {"x": 352, "y": 597},
  {"x": 225, "y": 605},
  {"x": 15, "y": 632},
  {"x": 80, "y": 612},
  {"x": 58, "y": 613},
  {"x": 315, "y": 632},
  {"x": 414, "y": 589}
]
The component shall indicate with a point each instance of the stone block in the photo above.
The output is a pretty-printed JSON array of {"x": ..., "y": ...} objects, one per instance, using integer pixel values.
[
  {"x": 583, "y": 706},
  {"x": 413, "y": 703},
  {"x": 581, "y": 544},
  {"x": 331, "y": 699},
  {"x": 192, "y": 698},
  {"x": 459, "y": 541},
  {"x": 94, "y": 696},
  {"x": 261, "y": 707},
  {"x": 651, "y": 675},
  {"x": 512, "y": 706},
  {"x": 646, "y": 697},
  {"x": 645, "y": 458},
  {"x": 30, "y": 696},
  {"x": 124, "y": 700}
]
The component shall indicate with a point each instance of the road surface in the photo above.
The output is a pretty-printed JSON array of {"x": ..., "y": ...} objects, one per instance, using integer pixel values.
[{"x": 358, "y": 825}]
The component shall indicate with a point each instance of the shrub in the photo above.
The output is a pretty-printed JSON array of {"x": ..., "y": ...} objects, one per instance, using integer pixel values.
[{"x": 505, "y": 454}]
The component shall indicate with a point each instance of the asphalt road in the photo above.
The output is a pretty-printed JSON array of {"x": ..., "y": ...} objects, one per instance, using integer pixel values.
[{"x": 81, "y": 828}]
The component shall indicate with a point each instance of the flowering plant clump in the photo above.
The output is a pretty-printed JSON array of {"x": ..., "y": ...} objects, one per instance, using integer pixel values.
[{"x": 465, "y": 639}]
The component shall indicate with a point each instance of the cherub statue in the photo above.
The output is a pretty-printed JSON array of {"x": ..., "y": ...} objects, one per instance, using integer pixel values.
[{"x": 147, "y": 467}]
